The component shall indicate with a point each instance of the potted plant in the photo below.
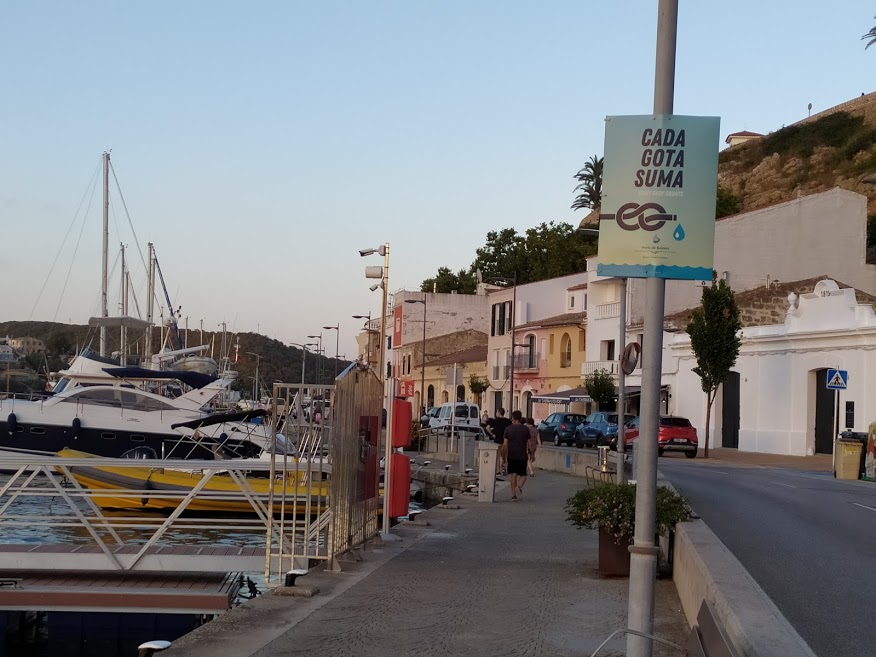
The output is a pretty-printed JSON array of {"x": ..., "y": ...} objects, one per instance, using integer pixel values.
[{"x": 611, "y": 508}]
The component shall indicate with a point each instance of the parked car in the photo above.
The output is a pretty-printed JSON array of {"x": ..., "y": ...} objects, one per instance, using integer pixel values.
[
  {"x": 559, "y": 428},
  {"x": 599, "y": 429},
  {"x": 676, "y": 434},
  {"x": 467, "y": 418},
  {"x": 429, "y": 417}
]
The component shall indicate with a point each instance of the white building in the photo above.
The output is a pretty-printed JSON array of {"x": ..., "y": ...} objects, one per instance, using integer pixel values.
[{"x": 776, "y": 399}]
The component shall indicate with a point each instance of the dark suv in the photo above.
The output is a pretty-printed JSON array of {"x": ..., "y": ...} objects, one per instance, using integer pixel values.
[
  {"x": 559, "y": 428},
  {"x": 599, "y": 429}
]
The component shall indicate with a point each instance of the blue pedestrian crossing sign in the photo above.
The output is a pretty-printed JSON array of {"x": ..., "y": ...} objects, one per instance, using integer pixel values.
[{"x": 837, "y": 379}]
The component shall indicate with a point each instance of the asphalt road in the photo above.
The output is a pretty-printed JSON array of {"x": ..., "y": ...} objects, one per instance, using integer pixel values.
[{"x": 808, "y": 539}]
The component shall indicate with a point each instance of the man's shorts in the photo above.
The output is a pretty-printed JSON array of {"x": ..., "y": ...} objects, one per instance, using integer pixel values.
[{"x": 517, "y": 466}]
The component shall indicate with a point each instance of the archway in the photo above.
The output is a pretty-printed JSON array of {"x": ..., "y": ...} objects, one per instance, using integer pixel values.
[
  {"x": 460, "y": 393},
  {"x": 444, "y": 397},
  {"x": 430, "y": 396},
  {"x": 526, "y": 407}
]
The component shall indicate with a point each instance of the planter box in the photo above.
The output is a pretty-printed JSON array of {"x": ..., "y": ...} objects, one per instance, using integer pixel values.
[{"x": 614, "y": 559}]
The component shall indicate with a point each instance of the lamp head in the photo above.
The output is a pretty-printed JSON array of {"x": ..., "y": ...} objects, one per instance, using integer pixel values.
[{"x": 367, "y": 252}]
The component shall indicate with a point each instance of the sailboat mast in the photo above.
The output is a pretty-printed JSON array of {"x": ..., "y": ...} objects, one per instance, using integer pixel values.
[
  {"x": 104, "y": 311},
  {"x": 124, "y": 331},
  {"x": 150, "y": 302}
]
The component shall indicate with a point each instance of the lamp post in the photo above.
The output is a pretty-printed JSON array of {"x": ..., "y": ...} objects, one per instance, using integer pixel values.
[
  {"x": 256, "y": 391},
  {"x": 383, "y": 274},
  {"x": 422, "y": 356},
  {"x": 303, "y": 348},
  {"x": 337, "y": 329},
  {"x": 513, "y": 281},
  {"x": 318, "y": 362},
  {"x": 368, "y": 330}
]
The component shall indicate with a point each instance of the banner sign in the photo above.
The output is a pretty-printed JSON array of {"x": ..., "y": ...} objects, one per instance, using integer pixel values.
[
  {"x": 405, "y": 389},
  {"x": 396, "y": 327},
  {"x": 659, "y": 182}
]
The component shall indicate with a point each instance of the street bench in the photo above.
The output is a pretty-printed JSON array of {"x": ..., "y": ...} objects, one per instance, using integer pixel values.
[{"x": 708, "y": 637}]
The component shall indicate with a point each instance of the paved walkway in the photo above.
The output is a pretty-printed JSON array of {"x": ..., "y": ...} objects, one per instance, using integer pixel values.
[
  {"x": 817, "y": 463},
  {"x": 498, "y": 579}
]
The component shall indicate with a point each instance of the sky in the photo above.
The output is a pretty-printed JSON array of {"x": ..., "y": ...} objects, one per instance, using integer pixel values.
[{"x": 260, "y": 145}]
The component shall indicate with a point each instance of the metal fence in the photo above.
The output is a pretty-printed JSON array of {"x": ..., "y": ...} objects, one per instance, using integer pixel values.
[{"x": 333, "y": 434}]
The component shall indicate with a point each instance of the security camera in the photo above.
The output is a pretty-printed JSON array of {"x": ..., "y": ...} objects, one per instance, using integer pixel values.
[
  {"x": 374, "y": 287},
  {"x": 366, "y": 252}
]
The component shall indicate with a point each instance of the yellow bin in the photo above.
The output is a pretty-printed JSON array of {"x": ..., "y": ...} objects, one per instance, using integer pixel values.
[{"x": 848, "y": 458}]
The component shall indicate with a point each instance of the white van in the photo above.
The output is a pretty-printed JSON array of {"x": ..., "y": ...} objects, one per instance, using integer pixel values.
[{"x": 468, "y": 417}]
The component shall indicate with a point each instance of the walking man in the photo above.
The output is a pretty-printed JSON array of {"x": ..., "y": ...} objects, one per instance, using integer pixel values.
[
  {"x": 533, "y": 445},
  {"x": 517, "y": 446},
  {"x": 498, "y": 425}
]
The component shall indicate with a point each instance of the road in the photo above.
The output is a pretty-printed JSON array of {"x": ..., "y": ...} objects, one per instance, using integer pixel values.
[{"x": 808, "y": 539}]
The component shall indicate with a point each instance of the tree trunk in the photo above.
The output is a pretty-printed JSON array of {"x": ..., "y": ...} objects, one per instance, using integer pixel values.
[{"x": 709, "y": 400}]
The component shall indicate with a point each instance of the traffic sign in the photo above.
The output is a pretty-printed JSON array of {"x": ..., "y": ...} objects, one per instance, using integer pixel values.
[{"x": 837, "y": 379}]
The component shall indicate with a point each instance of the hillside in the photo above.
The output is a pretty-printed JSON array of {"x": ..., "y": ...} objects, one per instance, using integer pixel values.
[
  {"x": 278, "y": 362},
  {"x": 834, "y": 148}
]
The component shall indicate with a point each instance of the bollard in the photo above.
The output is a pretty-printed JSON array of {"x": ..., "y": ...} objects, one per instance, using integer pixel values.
[
  {"x": 488, "y": 455},
  {"x": 151, "y": 647},
  {"x": 602, "y": 458}
]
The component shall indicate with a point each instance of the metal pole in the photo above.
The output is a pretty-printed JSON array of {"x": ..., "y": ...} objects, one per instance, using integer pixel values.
[
  {"x": 303, "y": 362},
  {"x": 643, "y": 557},
  {"x": 621, "y": 385},
  {"x": 337, "y": 347},
  {"x": 387, "y": 396},
  {"x": 513, "y": 326},
  {"x": 150, "y": 293},
  {"x": 104, "y": 311},
  {"x": 123, "y": 333},
  {"x": 423, "y": 364}
]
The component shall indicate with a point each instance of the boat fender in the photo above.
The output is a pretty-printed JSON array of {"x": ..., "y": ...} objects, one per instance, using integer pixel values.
[
  {"x": 77, "y": 426},
  {"x": 223, "y": 436},
  {"x": 147, "y": 486},
  {"x": 12, "y": 423}
]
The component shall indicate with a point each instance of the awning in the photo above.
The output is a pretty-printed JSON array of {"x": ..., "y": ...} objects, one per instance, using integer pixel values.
[
  {"x": 563, "y": 397},
  {"x": 629, "y": 391},
  {"x": 192, "y": 379}
]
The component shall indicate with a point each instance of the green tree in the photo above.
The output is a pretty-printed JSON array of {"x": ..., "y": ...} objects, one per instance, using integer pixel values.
[
  {"x": 871, "y": 35},
  {"x": 726, "y": 203},
  {"x": 714, "y": 337},
  {"x": 600, "y": 387},
  {"x": 589, "y": 187},
  {"x": 445, "y": 281},
  {"x": 478, "y": 386}
]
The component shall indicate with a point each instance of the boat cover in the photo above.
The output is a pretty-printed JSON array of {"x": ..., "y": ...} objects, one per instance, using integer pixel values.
[
  {"x": 193, "y": 379},
  {"x": 219, "y": 418}
]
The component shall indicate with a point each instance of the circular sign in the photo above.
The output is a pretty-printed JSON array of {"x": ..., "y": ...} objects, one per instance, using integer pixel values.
[{"x": 630, "y": 359}]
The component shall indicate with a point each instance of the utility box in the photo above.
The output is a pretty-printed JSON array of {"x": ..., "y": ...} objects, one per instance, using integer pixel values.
[
  {"x": 488, "y": 455},
  {"x": 848, "y": 458}
]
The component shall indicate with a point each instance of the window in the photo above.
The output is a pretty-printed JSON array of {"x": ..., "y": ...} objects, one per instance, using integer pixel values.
[
  {"x": 531, "y": 360},
  {"x": 566, "y": 351},
  {"x": 509, "y": 315},
  {"x": 39, "y": 430},
  {"x": 460, "y": 394},
  {"x": 430, "y": 395},
  {"x": 582, "y": 341},
  {"x": 108, "y": 436},
  {"x": 138, "y": 438},
  {"x": 551, "y": 348},
  {"x": 493, "y": 320},
  {"x": 500, "y": 329}
]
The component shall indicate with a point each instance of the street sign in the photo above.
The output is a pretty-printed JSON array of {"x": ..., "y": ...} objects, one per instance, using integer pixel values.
[
  {"x": 405, "y": 389},
  {"x": 837, "y": 379},
  {"x": 657, "y": 218}
]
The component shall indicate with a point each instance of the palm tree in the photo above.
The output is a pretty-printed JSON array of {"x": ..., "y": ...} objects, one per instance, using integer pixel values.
[
  {"x": 870, "y": 35},
  {"x": 589, "y": 184}
]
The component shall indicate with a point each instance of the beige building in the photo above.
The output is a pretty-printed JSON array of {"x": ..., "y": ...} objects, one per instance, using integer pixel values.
[
  {"x": 27, "y": 346},
  {"x": 439, "y": 381}
]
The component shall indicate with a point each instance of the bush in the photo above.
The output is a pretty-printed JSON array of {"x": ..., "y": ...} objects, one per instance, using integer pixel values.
[{"x": 612, "y": 508}]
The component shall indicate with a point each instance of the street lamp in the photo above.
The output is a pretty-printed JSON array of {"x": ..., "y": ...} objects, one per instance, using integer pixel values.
[
  {"x": 368, "y": 330},
  {"x": 318, "y": 362},
  {"x": 383, "y": 274},
  {"x": 422, "y": 356},
  {"x": 336, "y": 328},
  {"x": 256, "y": 395},
  {"x": 303, "y": 348},
  {"x": 513, "y": 281}
]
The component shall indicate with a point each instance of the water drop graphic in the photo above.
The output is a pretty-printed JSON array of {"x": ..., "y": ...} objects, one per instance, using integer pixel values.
[
  {"x": 679, "y": 233},
  {"x": 655, "y": 239}
]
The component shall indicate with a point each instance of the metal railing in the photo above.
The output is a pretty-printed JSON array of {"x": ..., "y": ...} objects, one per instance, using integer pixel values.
[
  {"x": 607, "y": 310},
  {"x": 592, "y": 366},
  {"x": 526, "y": 361}
]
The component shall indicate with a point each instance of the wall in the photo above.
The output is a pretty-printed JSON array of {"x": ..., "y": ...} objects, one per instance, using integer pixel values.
[
  {"x": 820, "y": 234},
  {"x": 828, "y": 329},
  {"x": 445, "y": 313}
]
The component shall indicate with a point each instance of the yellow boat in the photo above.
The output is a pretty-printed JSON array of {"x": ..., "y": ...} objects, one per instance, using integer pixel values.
[{"x": 163, "y": 489}]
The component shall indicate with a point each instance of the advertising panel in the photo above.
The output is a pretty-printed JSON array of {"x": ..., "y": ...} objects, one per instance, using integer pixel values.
[{"x": 660, "y": 177}]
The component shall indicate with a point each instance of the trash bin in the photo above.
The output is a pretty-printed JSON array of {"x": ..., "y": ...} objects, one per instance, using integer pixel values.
[
  {"x": 602, "y": 458},
  {"x": 848, "y": 458}
]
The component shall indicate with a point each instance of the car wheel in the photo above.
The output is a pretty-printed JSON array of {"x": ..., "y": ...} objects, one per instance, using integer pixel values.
[
  {"x": 579, "y": 443},
  {"x": 660, "y": 451},
  {"x": 556, "y": 440},
  {"x": 691, "y": 455}
]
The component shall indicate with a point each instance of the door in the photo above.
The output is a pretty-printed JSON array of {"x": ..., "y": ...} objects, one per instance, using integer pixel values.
[
  {"x": 730, "y": 412},
  {"x": 824, "y": 411}
]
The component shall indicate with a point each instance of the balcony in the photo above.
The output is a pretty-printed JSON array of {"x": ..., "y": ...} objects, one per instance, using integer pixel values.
[
  {"x": 525, "y": 361},
  {"x": 500, "y": 372},
  {"x": 592, "y": 366},
  {"x": 608, "y": 310}
]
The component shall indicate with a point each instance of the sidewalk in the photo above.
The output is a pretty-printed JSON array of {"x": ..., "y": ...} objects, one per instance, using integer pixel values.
[
  {"x": 723, "y": 456},
  {"x": 486, "y": 579}
]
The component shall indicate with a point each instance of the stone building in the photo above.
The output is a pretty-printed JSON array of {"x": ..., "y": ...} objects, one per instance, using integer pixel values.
[{"x": 27, "y": 346}]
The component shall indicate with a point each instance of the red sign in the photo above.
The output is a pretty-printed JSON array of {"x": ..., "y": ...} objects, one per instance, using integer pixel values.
[
  {"x": 405, "y": 389},
  {"x": 397, "y": 327}
]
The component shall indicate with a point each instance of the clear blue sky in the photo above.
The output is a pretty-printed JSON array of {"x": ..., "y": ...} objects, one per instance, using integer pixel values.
[{"x": 261, "y": 144}]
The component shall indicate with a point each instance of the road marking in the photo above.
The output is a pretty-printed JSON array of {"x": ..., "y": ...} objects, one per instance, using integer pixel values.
[
  {"x": 864, "y": 506},
  {"x": 779, "y": 483},
  {"x": 720, "y": 472}
]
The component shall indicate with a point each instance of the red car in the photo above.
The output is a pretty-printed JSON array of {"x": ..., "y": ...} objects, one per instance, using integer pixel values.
[{"x": 676, "y": 435}]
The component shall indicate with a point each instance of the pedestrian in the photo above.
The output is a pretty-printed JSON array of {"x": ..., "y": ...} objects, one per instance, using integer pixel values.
[
  {"x": 517, "y": 445},
  {"x": 498, "y": 426},
  {"x": 533, "y": 445}
]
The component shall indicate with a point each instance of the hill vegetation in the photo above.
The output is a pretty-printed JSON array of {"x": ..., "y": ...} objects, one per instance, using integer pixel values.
[{"x": 278, "y": 361}]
